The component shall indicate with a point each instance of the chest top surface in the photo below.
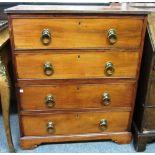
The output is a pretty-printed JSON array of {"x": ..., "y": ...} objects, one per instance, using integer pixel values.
[{"x": 120, "y": 8}]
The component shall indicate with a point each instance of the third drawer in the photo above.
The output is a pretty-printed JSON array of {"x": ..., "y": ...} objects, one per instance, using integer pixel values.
[{"x": 61, "y": 96}]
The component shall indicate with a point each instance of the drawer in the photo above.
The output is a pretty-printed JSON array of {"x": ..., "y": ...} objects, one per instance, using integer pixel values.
[
  {"x": 149, "y": 119},
  {"x": 151, "y": 94},
  {"x": 74, "y": 123},
  {"x": 77, "y": 96},
  {"x": 77, "y": 65},
  {"x": 64, "y": 33}
]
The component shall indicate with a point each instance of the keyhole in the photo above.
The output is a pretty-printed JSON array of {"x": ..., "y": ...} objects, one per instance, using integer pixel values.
[
  {"x": 78, "y": 56},
  {"x": 77, "y": 88},
  {"x": 77, "y": 115}
]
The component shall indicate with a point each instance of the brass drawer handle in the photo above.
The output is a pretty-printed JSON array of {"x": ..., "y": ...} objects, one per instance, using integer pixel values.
[
  {"x": 109, "y": 68},
  {"x": 48, "y": 69},
  {"x": 106, "y": 99},
  {"x": 49, "y": 100},
  {"x": 50, "y": 127},
  {"x": 46, "y": 37},
  {"x": 103, "y": 124},
  {"x": 112, "y": 36}
]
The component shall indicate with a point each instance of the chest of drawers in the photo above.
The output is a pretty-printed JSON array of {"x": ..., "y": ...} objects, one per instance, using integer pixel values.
[{"x": 76, "y": 71}]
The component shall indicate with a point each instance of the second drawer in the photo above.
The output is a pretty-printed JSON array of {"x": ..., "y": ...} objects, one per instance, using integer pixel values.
[
  {"x": 77, "y": 65},
  {"x": 43, "y": 97}
]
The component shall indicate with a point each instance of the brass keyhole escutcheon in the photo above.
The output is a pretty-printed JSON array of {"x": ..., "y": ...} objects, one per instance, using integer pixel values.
[
  {"x": 49, "y": 100},
  {"x": 103, "y": 124},
  {"x": 112, "y": 36},
  {"x": 46, "y": 37},
  {"x": 109, "y": 68},
  {"x": 48, "y": 69},
  {"x": 106, "y": 99}
]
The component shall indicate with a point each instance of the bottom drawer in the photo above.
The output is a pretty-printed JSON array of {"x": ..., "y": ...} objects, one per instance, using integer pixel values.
[{"x": 74, "y": 123}]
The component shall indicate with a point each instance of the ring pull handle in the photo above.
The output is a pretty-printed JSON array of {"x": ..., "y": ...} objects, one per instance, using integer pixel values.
[
  {"x": 50, "y": 127},
  {"x": 45, "y": 37},
  {"x": 109, "y": 68},
  {"x": 48, "y": 69},
  {"x": 103, "y": 124},
  {"x": 106, "y": 99},
  {"x": 112, "y": 36},
  {"x": 49, "y": 100}
]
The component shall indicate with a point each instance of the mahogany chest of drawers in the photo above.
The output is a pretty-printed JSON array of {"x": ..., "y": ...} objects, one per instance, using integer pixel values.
[
  {"x": 76, "y": 71},
  {"x": 144, "y": 116}
]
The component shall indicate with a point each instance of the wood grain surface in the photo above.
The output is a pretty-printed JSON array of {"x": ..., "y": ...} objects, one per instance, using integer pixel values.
[
  {"x": 31, "y": 142},
  {"x": 74, "y": 123},
  {"x": 77, "y": 32},
  {"x": 77, "y": 65},
  {"x": 72, "y": 96},
  {"x": 78, "y": 51}
]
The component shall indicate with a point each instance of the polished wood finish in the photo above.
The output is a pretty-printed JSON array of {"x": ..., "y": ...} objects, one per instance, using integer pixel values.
[
  {"x": 5, "y": 102},
  {"x": 74, "y": 123},
  {"x": 33, "y": 141},
  {"x": 75, "y": 59},
  {"x": 76, "y": 96},
  {"x": 83, "y": 8},
  {"x": 5, "y": 87},
  {"x": 77, "y": 65},
  {"x": 141, "y": 139},
  {"x": 76, "y": 32}
]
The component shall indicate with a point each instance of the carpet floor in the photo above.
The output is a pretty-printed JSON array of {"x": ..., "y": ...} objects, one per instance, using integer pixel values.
[{"x": 78, "y": 147}]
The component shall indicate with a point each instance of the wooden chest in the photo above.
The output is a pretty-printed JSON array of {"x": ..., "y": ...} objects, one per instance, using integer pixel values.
[
  {"x": 144, "y": 117},
  {"x": 76, "y": 71}
]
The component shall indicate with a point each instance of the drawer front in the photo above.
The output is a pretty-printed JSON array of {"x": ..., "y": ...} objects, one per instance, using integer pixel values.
[
  {"x": 151, "y": 94},
  {"x": 149, "y": 119},
  {"x": 77, "y": 65},
  {"x": 76, "y": 33},
  {"x": 77, "y": 96},
  {"x": 74, "y": 123}
]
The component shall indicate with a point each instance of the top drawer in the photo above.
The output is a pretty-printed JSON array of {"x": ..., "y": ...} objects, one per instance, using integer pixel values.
[{"x": 77, "y": 32}]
